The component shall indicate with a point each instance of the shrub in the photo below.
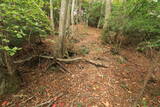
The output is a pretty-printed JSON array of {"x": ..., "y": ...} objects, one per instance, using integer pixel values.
[
  {"x": 56, "y": 9},
  {"x": 20, "y": 21},
  {"x": 138, "y": 21},
  {"x": 93, "y": 13}
]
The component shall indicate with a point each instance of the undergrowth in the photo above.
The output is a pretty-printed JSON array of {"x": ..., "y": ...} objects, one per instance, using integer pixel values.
[{"x": 137, "y": 21}]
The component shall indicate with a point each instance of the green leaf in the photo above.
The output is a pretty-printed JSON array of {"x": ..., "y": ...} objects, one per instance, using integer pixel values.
[
  {"x": 5, "y": 40},
  {"x": 19, "y": 35}
]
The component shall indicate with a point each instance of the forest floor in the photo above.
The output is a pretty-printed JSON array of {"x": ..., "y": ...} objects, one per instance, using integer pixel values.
[{"x": 88, "y": 85}]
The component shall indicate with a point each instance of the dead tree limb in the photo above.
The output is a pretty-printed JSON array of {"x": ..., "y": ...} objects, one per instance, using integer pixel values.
[
  {"x": 55, "y": 99},
  {"x": 27, "y": 100},
  {"x": 51, "y": 101},
  {"x": 96, "y": 63},
  {"x": 43, "y": 104},
  {"x": 70, "y": 60},
  {"x": 60, "y": 65}
]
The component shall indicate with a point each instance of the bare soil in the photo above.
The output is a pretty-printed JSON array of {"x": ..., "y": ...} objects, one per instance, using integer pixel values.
[{"x": 88, "y": 85}]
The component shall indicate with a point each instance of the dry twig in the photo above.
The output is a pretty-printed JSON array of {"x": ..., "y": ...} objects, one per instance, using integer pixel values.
[{"x": 51, "y": 101}]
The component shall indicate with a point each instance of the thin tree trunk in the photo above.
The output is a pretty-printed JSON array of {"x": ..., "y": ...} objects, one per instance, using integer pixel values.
[
  {"x": 72, "y": 12},
  {"x": 62, "y": 26},
  {"x": 80, "y": 12},
  {"x": 107, "y": 12},
  {"x": 99, "y": 22},
  {"x": 51, "y": 15},
  {"x": 9, "y": 63},
  {"x": 9, "y": 81},
  {"x": 68, "y": 15}
]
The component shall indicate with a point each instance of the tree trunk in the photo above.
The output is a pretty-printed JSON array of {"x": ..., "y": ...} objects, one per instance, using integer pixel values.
[
  {"x": 72, "y": 12},
  {"x": 102, "y": 12},
  {"x": 1, "y": 60},
  {"x": 51, "y": 15},
  {"x": 9, "y": 81},
  {"x": 62, "y": 26},
  {"x": 68, "y": 15},
  {"x": 9, "y": 64},
  {"x": 107, "y": 12}
]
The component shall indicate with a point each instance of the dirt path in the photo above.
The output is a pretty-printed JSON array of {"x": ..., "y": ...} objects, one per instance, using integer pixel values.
[
  {"x": 92, "y": 86},
  {"x": 87, "y": 86}
]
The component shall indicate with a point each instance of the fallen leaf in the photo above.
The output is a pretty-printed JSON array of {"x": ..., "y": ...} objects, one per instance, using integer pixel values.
[
  {"x": 61, "y": 104},
  {"x": 54, "y": 105},
  {"x": 106, "y": 104},
  {"x": 129, "y": 92},
  {"x": 5, "y": 103}
]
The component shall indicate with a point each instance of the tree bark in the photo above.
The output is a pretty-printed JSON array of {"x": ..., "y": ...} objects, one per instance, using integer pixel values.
[
  {"x": 62, "y": 26},
  {"x": 51, "y": 15},
  {"x": 72, "y": 12},
  {"x": 68, "y": 15},
  {"x": 9, "y": 81},
  {"x": 108, "y": 4},
  {"x": 9, "y": 64},
  {"x": 102, "y": 12}
]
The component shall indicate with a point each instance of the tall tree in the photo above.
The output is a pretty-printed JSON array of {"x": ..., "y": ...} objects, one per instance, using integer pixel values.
[
  {"x": 72, "y": 11},
  {"x": 51, "y": 15},
  {"x": 62, "y": 26},
  {"x": 108, "y": 5},
  {"x": 101, "y": 13},
  {"x": 68, "y": 15}
]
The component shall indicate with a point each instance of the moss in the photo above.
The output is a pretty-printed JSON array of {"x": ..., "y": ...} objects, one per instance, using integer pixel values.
[{"x": 84, "y": 50}]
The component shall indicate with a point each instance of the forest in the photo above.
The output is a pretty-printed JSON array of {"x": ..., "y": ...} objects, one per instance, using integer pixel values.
[{"x": 79, "y": 53}]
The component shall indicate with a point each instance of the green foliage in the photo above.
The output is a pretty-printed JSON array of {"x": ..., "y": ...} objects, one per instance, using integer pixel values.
[
  {"x": 11, "y": 51},
  {"x": 21, "y": 20},
  {"x": 93, "y": 12},
  {"x": 84, "y": 50},
  {"x": 144, "y": 103},
  {"x": 56, "y": 9},
  {"x": 138, "y": 20}
]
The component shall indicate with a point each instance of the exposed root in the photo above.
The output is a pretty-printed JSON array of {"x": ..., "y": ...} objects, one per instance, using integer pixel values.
[
  {"x": 25, "y": 60},
  {"x": 57, "y": 60},
  {"x": 54, "y": 61},
  {"x": 97, "y": 64}
]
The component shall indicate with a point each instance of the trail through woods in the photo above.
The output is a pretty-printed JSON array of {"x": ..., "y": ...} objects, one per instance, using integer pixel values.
[{"x": 88, "y": 85}]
